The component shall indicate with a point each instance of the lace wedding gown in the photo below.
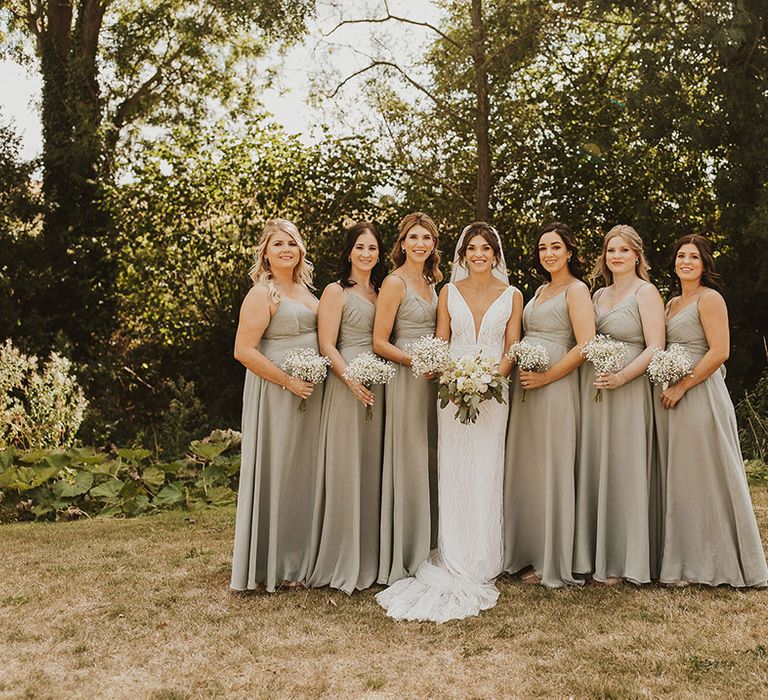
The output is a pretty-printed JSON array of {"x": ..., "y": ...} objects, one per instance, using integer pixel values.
[{"x": 456, "y": 581}]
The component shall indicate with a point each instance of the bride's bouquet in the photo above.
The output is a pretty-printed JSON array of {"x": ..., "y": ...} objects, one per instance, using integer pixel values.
[
  {"x": 530, "y": 357},
  {"x": 467, "y": 382},
  {"x": 606, "y": 354},
  {"x": 369, "y": 369},
  {"x": 429, "y": 355},
  {"x": 306, "y": 364},
  {"x": 670, "y": 366}
]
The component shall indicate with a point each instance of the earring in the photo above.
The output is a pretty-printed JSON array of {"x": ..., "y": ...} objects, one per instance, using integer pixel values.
[
  {"x": 569, "y": 258},
  {"x": 637, "y": 262},
  {"x": 402, "y": 250}
]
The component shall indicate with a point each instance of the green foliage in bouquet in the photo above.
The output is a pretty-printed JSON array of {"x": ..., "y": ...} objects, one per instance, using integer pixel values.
[{"x": 84, "y": 482}]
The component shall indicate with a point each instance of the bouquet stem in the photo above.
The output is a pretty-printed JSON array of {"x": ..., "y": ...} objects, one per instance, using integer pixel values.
[
  {"x": 524, "y": 396},
  {"x": 302, "y": 405},
  {"x": 368, "y": 414},
  {"x": 598, "y": 396}
]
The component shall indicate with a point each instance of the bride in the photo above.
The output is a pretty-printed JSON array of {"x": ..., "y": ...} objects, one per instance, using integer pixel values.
[{"x": 477, "y": 311}]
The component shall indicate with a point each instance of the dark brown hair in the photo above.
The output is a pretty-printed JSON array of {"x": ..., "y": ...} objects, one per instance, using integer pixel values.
[
  {"x": 710, "y": 277},
  {"x": 575, "y": 264},
  {"x": 489, "y": 235},
  {"x": 379, "y": 271}
]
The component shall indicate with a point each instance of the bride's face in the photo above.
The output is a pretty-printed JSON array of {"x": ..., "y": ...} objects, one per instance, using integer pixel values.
[{"x": 479, "y": 257}]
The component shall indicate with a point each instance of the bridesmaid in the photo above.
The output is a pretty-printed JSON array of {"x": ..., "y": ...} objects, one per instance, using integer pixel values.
[
  {"x": 279, "y": 447},
  {"x": 709, "y": 533},
  {"x": 616, "y": 450},
  {"x": 542, "y": 434},
  {"x": 345, "y": 537},
  {"x": 406, "y": 310}
]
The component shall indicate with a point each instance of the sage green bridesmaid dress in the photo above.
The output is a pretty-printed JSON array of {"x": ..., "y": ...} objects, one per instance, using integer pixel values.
[
  {"x": 345, "y": 536},
  {"x": 540, "y": 458},
  {"x": 709, "y": 532},
  {"x": 615, "y": 462},
  {"x": 409, "y": 475},
  {"x": 278, "y": 463}
]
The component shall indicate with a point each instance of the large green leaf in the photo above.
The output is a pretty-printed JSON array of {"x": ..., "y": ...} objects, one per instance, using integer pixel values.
[
  {"x": 59, "y": 460},
  {"x": 137, "y": 504},
  {"x": 208, "y": 450},
  {"x": 108, "y": 490},
  {"x": 153, "y": 477},
  {"x": 6, "y": 457},
  {"x": 221, "y": 496},
  {"x": 26, "y": 478},
  {"x": 76, "y": 485},
  {"x": 134, "y": 456},
  {"x": 171, "y": 494}
]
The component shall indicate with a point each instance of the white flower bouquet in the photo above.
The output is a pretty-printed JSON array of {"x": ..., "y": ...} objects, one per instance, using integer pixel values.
[
  {"x": 530, "y": 357},
  {"x": 306, "y": 364},
  {"x": 606, "y": 354},
  {"x": 467, "y": 382},
  {"x": 670, "y": 366},
  {"x": 429, "y": 355},
  {"x": 369, "y": 369}
]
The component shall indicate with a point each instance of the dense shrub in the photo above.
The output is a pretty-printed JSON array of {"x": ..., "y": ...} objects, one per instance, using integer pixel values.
[
  {"x": 85, "y": 482},
  {"x": 41, "y": 406}
]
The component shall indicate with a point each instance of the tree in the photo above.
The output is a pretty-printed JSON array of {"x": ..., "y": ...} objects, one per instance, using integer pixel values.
[
  {"x": 107, "y": 68},
  {"x": 188, "y": 220}
]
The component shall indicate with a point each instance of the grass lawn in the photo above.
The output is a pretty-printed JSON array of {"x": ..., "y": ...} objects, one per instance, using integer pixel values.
[{"x": 141, "y": 609}]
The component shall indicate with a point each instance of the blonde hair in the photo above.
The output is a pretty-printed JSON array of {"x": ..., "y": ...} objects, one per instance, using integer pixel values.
[
  {"x": 260, "y": 271},
  {"x": 432, "y": 263},
  {"x": 633, "y": 240}
]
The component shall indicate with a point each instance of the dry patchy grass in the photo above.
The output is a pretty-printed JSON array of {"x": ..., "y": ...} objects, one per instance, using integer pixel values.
[{"x": 141, "y": 609}]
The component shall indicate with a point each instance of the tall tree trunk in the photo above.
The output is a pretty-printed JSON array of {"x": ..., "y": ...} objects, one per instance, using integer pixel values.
[
  {"x": 54, "y": 260},
  {"x": 75, "y": 273},
  {"x": 482, "y": 108}
]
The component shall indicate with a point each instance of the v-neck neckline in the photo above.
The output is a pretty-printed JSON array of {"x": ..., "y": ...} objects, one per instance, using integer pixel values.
[{"x": 477, "y": 328}]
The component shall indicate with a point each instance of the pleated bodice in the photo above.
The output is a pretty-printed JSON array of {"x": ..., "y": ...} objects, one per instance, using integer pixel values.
[
  {"x": 622, "y": 322},
  {"x": 356, "y": 328},
  {"x": 549, "y": 323},
  {"x": 685, "y": 329},
  {"x": 293, "y": 325},
  {"x": 415, "y": 317}
]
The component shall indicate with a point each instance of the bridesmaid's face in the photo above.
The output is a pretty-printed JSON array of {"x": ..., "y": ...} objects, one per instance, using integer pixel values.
[
  {"x": 365, "y": 253},
  {"x": 619, "y": 256},
  {"x": 418, "y": 244},
  {"x": 479, "y": 257},
  {"x": 553, "y": 253},
  {"x": 282, "y": 251},
  {"x": 688, "y": 263}
]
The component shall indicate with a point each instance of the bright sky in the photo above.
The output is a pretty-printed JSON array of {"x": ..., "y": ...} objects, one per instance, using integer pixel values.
[{"x": 339, "y": 54}]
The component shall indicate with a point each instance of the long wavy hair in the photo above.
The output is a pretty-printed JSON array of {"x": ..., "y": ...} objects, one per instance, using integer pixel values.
[
  {"x": 432, "y": 263},
  {"x": 576, "y": 265},
  {"x": 379, "y": 271},
  {"x": 633, "y": 240},
  {"x": 260, "y": 271},
  {"x": 710, "y": 277}
]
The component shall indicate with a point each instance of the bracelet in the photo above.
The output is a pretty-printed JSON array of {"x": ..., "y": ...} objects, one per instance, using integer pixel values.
[
  {"x": 402, "y": 358},
  {"x": 285, "y": 380}
]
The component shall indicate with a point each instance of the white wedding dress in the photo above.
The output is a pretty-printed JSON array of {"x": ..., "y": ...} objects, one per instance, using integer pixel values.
[{"x": 456, "y": 581}]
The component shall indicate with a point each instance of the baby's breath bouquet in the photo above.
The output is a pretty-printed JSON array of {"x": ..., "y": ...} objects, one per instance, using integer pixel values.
[
  {"x": 306, "y": 364},
  {"x": 606, "y": 354},
  {"x": 530, "y": 357},
  {"x": 429, "y": 355},
  {"x": 670, "y": 366},
  {"x": 369, "y": 369},
  {"x": 468, "y": 382}
]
